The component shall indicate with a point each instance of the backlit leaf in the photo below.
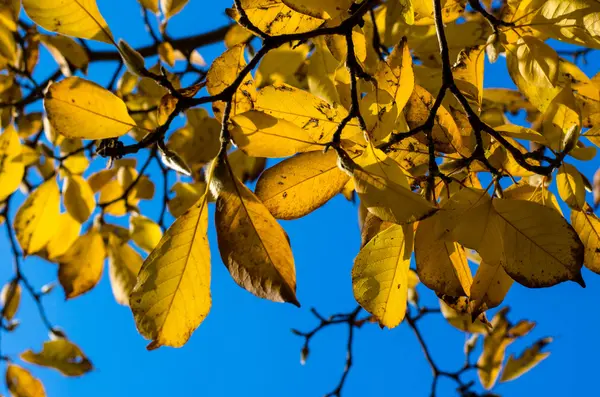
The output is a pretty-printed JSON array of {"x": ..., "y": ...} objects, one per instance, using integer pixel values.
[
  {"x": 79, "y": 108},
  {"x": 36, "y": 218},
  {"x": 21, "y": 383},
  {"x": 78, "y": 198},
  {"x": 441, "y": 265},
  {"x": 124, "y": 263},
  {"x": 380, "y": 274},
  {"x": 11, "y": 164},
  {"x": 299, "y": 185},
  {"x": 172, "y": 294},
  {"x": 62, "y": 355},
  {"x": 80, "y": 268},
  {"x": 571, "y": 187},
  {"x": 515, "y": 234},
  {"x": 587, "y": 225},
  {"x": 532, "y": 356},
  {"x": 253, "y": 245},
  {"x": 145, "y": 232},
  {"x": 78, "y": 18},
  {"x": 384, "y": 198}
]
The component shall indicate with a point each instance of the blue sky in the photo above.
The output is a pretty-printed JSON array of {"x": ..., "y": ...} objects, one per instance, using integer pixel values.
[{"x": 245, "y": 346}]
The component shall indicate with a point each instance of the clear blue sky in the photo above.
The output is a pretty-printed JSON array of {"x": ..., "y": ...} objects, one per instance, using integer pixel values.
[{"x": 245, "y": 346}]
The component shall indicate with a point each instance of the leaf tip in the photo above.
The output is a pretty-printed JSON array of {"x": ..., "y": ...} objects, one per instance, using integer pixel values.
[
  {"x": 578, "y": 278},
  {"x": 153, "y": 345}
]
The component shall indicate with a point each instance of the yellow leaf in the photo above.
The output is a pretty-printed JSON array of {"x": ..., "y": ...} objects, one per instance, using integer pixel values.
[
  {"x": 539, "y": 194},
  {"x": 246, "y": 168},
  {"x": 144, "y": 189},
  {"x": 222, "y": 73},
  {"x": 21, "y": 383},
  {"x": 571, "y": 187},
  {"x": 532, "y": 356},
  {"x": 80, "y": 268},
  {"x": 339, "y": 49},
  {"x": 321, "y": 71},
  {"x": 10, "y": 297},
  {"x": 441, "y": 265},
  {"x": 490, "y": 286},
  {"x": 301, "y": 184},
  {"x": 186, "y": 195},
  {"x": 151, "y": 5},
  {"x": 277, "y": 17},
  {"x": 518, "y": 132},
  {"x": 379, "y": 111},
  {"x": 197, "y": 142},
  {"x": 172, "y": 7},
  {"x": 380, "y": 274},
  {"x": 468, "y": 75},
  {"x": 495, "y": 343},
  {"x": 11, "y": 164},
  {"x": 459, "y": 316},
  {"x": 110, "y": 192},
  {"x": 386, "y": 198},
  {"x": 9, "y": 13},
  {"x": 261, "y": 135},
  {"x": 77, "y": 162},
  {"x": 124, "y": 263},
  {"x": 78, "y": 18},
  {"x": 172, "y": 294},
  {"x": 281, "y": 65},
  {"x": 253, "y": 246},
  {"x": 145, "y": 232},
  {"x": 237, "y": 35},
  {"x": 79, "y": 108},
  {"x": 396, "y": 76},
  {"x": 37, "y": 217},
  {"x": 66, "y": 52},
  {"x": 397, "y": 13},
  {"x": 317, "y": 118},
  {"x": 8, "y": 46},
  {"x": 562, "y": 115},
  {"x": 78, "y": 198},
  {"x": 66, "y": 234},
  {"x": 446, "y": 136},
  {"x": 99, "y": 179},
  {"x": 515, "y": 234},
  {"x": 319, "y": 8},
  {"x": 533, "y": 66},
  {"x": 587, "y": 225},
  {"x": 62, "y": 355}
]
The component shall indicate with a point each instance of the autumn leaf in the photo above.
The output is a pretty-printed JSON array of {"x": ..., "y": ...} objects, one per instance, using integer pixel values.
[
  {"x": 124, "y": 263},
  {"x": 385, "y": 198},
  {"x": 253, "y": 245},
  {"x": 21, "y": 383},
  {"x": 35, "y": 219},
  {"x": 172, "y": 294},
  {"x": 299, "y": 185},
  {"x": 78, "y": 198},
  {"x": 11, "y": 164},
  {"x": 78, "y": 18},
  {"x": 380, "y": 274},
  {"x": 62, "y": 355},
  {"x": 79, "y": 108},
  {"x": 80, "y": 268},
  {"x": 532, "y": 356}
]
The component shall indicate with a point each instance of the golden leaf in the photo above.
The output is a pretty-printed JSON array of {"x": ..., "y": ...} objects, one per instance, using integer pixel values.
[
  {"x": 61, "y": 355},
  {"x": 253, "y": 245},
  {"x": 301, "y": 184},
  {"x": 78, "y": 18},
  {"x": 380, "y": 274}
]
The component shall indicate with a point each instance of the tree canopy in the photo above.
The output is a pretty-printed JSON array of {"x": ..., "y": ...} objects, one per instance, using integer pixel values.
[{"x": 382, "y": 101}]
